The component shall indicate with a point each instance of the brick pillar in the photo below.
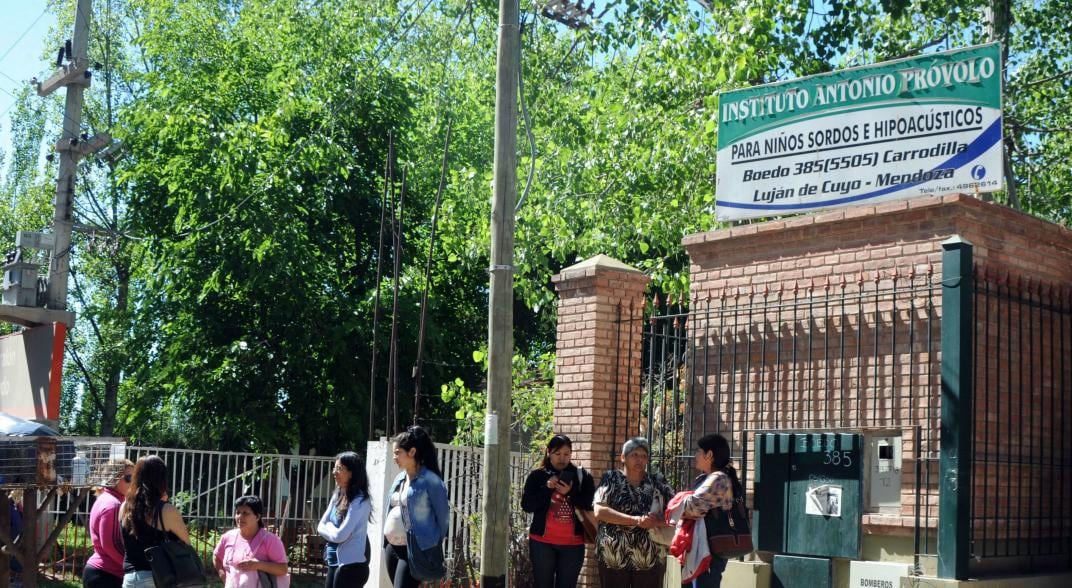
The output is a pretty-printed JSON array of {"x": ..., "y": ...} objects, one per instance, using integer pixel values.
[{"x": 597, "y": 367}]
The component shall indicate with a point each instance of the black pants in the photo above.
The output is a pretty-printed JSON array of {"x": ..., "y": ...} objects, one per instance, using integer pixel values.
[
  {"x": 96, "y": 578},
  {"x": 397, "y": 559},
  {"x": 652, "y": 578},
  {"x": 555, "y": 566},
  {"x": 712, "y": 578},
  {"x": 348, "y": 576}
]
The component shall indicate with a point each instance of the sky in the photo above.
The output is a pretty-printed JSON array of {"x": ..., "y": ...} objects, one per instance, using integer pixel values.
[{"x": 24, "y": 25}]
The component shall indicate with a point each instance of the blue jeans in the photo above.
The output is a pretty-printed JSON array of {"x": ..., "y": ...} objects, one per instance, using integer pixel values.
[
  {"x": 712, "y": 578},
  {"x": 139, "y": 579},
  {"x": 555, "y": 566}
]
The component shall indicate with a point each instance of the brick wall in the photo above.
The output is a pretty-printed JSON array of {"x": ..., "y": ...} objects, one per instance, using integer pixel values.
[
  {"x": 892, "y": 383},
  {"x": 595, "y": 361}
]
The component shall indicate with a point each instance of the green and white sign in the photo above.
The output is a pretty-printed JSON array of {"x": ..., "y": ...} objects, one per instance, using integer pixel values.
[{"x": 912, "y": 127}]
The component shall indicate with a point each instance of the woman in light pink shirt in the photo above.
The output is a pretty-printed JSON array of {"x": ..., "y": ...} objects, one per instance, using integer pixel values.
[
  {"x": 105, "y": 567},
  {"x": 249, "y": 550}
]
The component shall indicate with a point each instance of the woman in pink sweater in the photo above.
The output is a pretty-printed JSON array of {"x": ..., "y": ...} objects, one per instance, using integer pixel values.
[{"x": 105, "y": 567}]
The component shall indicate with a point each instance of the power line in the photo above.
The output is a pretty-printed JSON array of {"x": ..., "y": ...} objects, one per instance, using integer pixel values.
[{"x": 23, "y": 35}]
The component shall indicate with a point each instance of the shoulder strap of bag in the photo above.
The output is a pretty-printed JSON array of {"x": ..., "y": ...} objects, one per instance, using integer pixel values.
[
  {"x": 159, "y": 518},
  {"x": 262, "y": 534}
]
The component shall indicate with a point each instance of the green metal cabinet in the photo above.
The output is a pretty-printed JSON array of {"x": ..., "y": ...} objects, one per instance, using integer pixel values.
[{"x": 809, "y": 494}]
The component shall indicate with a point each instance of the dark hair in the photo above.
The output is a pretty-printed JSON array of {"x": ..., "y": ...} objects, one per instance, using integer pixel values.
[
  {"x": 358, "y": 486},
  {"x": 721, "y": 448},
  {"x": 554, "y": 444},
  {"x": 145, "y": 497},
  {"x": 255, "y": 505},
  {"x": 417, "y": 438}
]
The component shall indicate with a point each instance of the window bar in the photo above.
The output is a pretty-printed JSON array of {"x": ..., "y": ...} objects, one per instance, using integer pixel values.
[
  {"x": 893, "y": 396},
  {"x": 762, "y": 359},
  {"x": 986, "y": 410},
  {"x": 661, "y": 386},
  {"x": 917, "y": 430},
  {"x": 651, "y": 367},
  {"x": 777, "y": 391},
  {"x": 1033, "y": 403},
  {"x": 860, "y": 386},
  {"x": 675, "y": 429},
  {"x": 843, "y": 366},
  {"x": 1020, "y": 409},
  {"x": 876, "y": 360},
  {"x": 809, "y": 386},
  {"x": 1008, "y": 451},
  {"x": 745, "y": 415},
  {"x": 732, "y": 393},
  {"x": 826, "y": 353},
  {"x": 1052, "y": 453},
  {"x": 793, "y": 401},
  {"x": 706, "y": 357},
  {"x": 617, "y": 377},
  {"x": 930, "y": 390},
  {"x": 721, "y": 346},
  {"x": 691, "y": 346},
  {"x": 629, "y": 381}
]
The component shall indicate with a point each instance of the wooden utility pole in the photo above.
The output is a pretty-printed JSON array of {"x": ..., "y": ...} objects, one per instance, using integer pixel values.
[
  {"x": 75, "y": 77},
  {"x": 495, "y": 478}
]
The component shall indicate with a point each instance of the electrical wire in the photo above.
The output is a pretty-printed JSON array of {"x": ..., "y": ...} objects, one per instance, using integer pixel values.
[
  {"x": 23, "y": 35},
  {"x": 525, "y": 116}
]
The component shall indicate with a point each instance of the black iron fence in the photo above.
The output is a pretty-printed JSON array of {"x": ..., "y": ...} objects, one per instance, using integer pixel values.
[
  {"x": 847, "y": 355},
  {"x": 1022, "y": 494},
  {"x": 864, "y": 355}
]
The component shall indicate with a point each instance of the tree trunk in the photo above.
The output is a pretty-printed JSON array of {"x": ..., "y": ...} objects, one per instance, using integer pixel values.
[{"x": 111, "y": 384}]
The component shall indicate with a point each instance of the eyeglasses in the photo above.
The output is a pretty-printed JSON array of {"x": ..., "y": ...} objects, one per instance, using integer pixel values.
[{"x": 339, "y": 470}]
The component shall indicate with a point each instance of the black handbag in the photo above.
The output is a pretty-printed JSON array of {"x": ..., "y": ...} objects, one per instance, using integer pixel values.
[
  {"x": 728, "y": 532},
  {"x": 175, "y": 564}
]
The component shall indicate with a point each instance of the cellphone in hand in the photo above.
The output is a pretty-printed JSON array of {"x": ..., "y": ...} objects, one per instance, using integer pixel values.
[{"x": 567, "y": 476}]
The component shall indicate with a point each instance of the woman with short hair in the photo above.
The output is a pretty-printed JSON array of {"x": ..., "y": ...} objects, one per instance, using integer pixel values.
[
  {"x": 627, "y": 503},
  {"x": 249, "y": 549}
]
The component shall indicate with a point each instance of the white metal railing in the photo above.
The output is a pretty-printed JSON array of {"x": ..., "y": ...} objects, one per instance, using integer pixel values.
[{"x": 295, "y": 490}]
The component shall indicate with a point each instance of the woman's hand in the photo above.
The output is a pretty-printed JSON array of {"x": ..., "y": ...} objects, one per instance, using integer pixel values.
[
  {"x": 250, "y": 565},
  {"x": 563, "y": 488},
  {"x": 649, "y": 521},
  {"x": 552, "y": 482}
]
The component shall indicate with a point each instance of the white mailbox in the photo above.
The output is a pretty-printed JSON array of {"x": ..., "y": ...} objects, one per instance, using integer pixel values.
[{"x": 884, "y": 473}]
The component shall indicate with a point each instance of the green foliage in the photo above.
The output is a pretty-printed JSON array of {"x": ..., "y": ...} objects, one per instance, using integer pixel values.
[
  {"x": 235, "y": 309},
  {"x": 532, "y": 401}
]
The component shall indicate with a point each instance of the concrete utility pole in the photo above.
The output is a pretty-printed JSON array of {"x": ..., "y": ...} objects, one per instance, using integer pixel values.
[
  {"x": 495, "y": 526},
  {"x": 75, "y": 76}
]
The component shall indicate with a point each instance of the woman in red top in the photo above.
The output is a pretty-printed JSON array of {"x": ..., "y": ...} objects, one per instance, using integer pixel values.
[{"x": 556, "y": 494}]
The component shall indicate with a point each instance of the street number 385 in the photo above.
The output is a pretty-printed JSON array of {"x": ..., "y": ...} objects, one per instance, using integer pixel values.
[{"x": 838, "y": 458}]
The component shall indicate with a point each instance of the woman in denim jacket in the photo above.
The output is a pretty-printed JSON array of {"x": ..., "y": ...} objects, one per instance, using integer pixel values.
[{"x": 418, "y": 516}]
